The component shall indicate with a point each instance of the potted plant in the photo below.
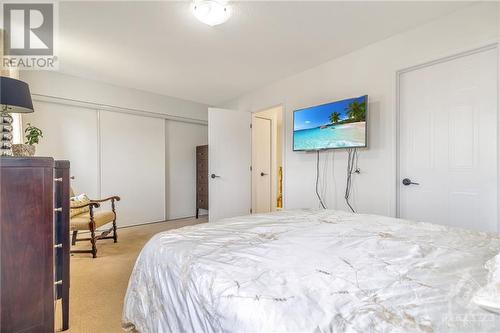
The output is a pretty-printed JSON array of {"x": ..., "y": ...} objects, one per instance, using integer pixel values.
[{"x": 33, "y": 135}]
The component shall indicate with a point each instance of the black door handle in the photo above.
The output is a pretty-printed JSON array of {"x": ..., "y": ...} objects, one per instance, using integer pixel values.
[
  {"x": 263, "y": 174},
  {"x": 213, "y": 176},
  {"x": 407, "y": 181}
]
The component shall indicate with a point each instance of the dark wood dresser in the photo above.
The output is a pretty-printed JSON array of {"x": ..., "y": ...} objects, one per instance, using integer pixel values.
[
  {"x": 28, "y": 245},
  {"x": 201, "y": 178}
]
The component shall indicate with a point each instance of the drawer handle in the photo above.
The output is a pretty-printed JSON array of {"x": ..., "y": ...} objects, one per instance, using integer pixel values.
[
  {"x": 58, "y": 209},
  {"x": 58, "y": 283},
  {"x": 58, "y": 179},
  {"x": 58, "y": 246}
]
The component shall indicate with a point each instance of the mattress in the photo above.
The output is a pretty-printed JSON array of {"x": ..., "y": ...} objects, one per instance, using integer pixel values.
[{"x": 311, "y": 271}]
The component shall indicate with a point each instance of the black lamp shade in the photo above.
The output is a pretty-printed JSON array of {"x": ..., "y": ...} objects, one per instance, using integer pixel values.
[{"x": 15, "y": 94}]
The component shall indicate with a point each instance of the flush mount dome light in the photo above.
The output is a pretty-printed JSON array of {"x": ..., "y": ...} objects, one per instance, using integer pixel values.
[{"x": 211, "y": 12}]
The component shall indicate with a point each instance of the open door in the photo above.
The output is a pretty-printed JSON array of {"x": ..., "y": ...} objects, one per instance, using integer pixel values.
[{"x": 229, "y": 160}]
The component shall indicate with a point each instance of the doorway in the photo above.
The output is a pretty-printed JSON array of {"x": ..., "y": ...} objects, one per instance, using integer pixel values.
[
  {"x": 448, "y": 141},
  {"x": 267, "y": 160}
]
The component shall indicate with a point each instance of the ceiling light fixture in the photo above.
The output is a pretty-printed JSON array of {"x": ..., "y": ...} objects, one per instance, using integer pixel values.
[{"x": 211, "y": 12}]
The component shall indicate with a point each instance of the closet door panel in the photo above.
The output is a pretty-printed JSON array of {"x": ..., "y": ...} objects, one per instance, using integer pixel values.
[
  {"x": 133, "y": 166},
  {"x": 69, "y": 133}
]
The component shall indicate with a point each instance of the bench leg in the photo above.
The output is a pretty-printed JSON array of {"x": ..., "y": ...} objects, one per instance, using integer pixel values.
[
  {"x": 93, "y": 240},
  {"x": 115, "y": 235}
]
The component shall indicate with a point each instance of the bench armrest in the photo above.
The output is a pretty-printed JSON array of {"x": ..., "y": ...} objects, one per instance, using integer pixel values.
[
  {"x": 115, "y": 197},
  {"x": 90, "y": 205}
]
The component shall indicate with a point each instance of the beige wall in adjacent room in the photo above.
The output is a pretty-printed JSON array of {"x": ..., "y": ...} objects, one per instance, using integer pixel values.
[{"x": 275, "y": 115}]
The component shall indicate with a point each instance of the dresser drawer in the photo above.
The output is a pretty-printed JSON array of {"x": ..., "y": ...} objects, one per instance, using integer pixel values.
[
  {"x": 202, "y": 165},
  {"x": 202, "y": 202},
  {"x": 202, "y": 153},
  {"x": 202, "y": 190},
  {"x": 202, "y": 178}
]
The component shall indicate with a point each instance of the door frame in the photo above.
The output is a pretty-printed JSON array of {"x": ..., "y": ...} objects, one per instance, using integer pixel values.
[
  {"x": 283, "y": 144},
  {"x": 399, "y": 73}
]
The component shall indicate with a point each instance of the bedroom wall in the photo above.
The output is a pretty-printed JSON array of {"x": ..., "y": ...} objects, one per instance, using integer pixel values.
[
  {"x": 371, "y": 70},
  {"x": 121, "y": 141},
  {"x": 55, "y": 84}
]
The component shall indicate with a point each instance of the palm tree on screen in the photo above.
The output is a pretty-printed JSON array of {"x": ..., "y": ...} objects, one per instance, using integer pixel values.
[
  {"x": 335, "y": 117},
  {"x": 356, "y": 111}
]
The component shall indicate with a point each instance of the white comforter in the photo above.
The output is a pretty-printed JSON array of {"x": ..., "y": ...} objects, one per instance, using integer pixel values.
[{"x": 311, "y": 271}]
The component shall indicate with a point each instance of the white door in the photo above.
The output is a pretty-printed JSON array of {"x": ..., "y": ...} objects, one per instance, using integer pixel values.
[
  {"x": 229, "y": 159},
  {"x": 448, "y": 142},
  {"x": 261, "y": 165}
]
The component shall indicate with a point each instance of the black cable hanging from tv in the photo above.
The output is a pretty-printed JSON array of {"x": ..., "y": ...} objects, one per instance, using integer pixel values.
[
  {"x": 317, "y": 183},
  {"x": 352, "y": 167}
]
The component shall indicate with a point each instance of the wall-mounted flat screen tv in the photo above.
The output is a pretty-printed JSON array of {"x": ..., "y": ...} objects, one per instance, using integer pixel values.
[{"x": 340, "y": 124}]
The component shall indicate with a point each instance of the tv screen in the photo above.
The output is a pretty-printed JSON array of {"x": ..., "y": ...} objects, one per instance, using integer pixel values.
[{"x": 340, "y": 124}]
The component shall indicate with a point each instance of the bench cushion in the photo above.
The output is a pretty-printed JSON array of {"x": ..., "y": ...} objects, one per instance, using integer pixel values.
[{"x": 81, "y": 221}]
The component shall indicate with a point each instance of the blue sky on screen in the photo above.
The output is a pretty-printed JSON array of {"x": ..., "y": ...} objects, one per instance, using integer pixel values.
[{"x": 316, "y": 116}]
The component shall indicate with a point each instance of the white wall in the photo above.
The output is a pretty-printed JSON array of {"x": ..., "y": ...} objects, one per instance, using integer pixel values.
[
  {"x": 54, "y": 84},
  {"x": 121, "y": 141},
  {"x": 181, "y": 140},
  {"x": 371, "y": 70}
]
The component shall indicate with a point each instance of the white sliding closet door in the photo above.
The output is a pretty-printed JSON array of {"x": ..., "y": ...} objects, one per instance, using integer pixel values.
[
  {"x": 133, "y": 165},
  {"x": 69, "y": 133}
]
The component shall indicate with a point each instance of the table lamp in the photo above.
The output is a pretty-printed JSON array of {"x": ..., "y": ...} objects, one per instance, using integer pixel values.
[{"x": 15, "y": 97}]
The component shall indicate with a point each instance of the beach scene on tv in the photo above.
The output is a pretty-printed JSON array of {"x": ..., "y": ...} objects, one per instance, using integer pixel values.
[{"x": 339, "y": 124}]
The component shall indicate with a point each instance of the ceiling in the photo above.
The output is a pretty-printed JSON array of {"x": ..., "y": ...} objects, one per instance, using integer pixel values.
[{"x": 160, "y": 47}]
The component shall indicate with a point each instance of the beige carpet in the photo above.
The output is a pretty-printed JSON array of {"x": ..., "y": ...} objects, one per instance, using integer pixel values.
[{"x": 98, "y": 285}]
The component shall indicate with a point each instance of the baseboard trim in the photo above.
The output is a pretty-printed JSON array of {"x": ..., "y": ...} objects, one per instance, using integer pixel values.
[
  {"x": 147, "y": 223},
  {"x": 169, "y": 220}
]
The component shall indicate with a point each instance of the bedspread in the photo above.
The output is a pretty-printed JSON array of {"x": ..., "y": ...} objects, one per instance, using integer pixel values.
[{"x": 311, "y": 271}]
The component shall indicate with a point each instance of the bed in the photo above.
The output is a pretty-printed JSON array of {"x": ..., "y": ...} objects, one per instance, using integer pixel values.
[{"x": 311, "y": 271}]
